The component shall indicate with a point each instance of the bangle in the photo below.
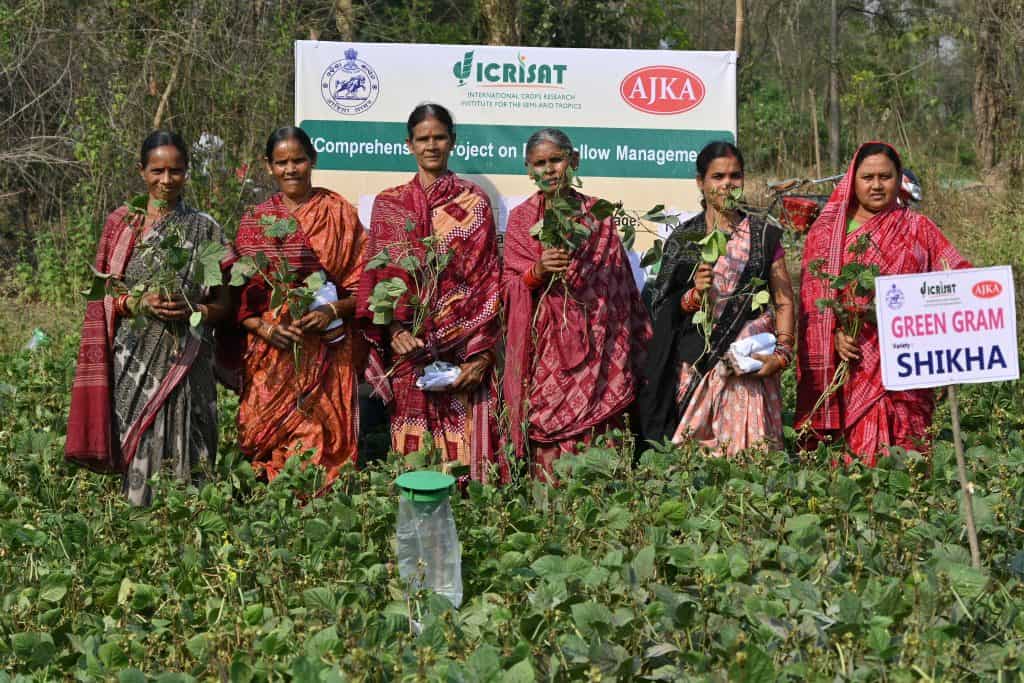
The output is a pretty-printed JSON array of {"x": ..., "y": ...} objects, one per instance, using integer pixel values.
[
  {"x": 779, "y": 335},
  {"x": 334, "y": 310},
  {"x": 690, "y": 302},
  {"x": 531, "y": 279},
  {"x": 121, "y": 306}
]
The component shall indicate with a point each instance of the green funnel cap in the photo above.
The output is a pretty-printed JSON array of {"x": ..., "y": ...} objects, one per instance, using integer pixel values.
[{"x": 425, "y": 486}]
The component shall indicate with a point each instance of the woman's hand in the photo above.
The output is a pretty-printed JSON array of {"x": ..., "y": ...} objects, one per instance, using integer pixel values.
[
  {"x": 155, "y": 305},
  {"x": 471, "y": 374},
  {"x": 771, "y": 364},
  {"x": 281, "y": 336},
  {"x": 317, "y": 320},
  {"x": 702, "y": 278},
  {"x": 846, "y": 347},
  {"x": 402, "y": 341},
  {"x": 552, "y": 260}
]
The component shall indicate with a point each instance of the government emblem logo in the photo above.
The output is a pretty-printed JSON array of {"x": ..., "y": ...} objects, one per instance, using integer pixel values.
[
  {"x": 350, "y": 86},
  {"x": 894, "y": 297}
]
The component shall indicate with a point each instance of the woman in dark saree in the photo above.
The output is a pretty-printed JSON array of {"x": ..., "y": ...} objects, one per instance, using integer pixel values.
[
  {"x": 144, "y": 398},
  {"x": 693, "y": 388}
]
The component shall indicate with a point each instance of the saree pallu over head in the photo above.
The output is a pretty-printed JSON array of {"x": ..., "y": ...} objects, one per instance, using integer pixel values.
[
  {"x": 660, "y": 404},
  {"x": 574, "y": 351},
  {"x": 463, "y": 312},
  {"x": 901, "y": 241},
  {"x": 287, "y": 408},
  {"x": 92, "y": 440}
]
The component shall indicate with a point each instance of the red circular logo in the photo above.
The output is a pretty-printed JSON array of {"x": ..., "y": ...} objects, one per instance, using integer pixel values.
[
  {"x": 986, "y": 289},
  {"x": 662, "y": 90}
]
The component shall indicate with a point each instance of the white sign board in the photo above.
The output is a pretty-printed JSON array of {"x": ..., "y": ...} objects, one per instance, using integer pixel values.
[
  {"x": 637, "y": 117},
  {"x": 948, "y": 327}
]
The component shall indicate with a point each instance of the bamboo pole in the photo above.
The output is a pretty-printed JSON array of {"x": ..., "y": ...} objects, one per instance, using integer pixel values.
[
  {"x": 961, "y": 472},
  {"x": 817, "y": 143},
  {"x": 740, "y": 20}
]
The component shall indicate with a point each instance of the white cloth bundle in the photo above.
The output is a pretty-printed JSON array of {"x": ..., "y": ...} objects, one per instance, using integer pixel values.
[
  {"x": 438, "y": 376},
  {"x": 740, "y": 352},
  {"x": 327, "y": 294}
]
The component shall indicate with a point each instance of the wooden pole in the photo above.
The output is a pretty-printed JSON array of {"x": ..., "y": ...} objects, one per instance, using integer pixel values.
[
  {"x": 817, "y": 143},
  {"x": 740, "y": 20},
  {"x": 833, "y": 88},
  {"x": 961, "y": 471}
]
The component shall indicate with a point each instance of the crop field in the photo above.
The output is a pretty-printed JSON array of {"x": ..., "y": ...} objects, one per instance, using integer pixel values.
[{"x": 653, "y": 564}]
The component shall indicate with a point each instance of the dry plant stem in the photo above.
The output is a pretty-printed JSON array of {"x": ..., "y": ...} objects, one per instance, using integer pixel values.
[
  {"x": 965, "y": 485},
  {"x": 841, "y": 374}
]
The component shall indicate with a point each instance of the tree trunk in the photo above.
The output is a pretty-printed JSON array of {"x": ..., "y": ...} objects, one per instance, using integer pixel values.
[
  {"x": 833, "y": 89},
  {"x": 501, "y": 19},
  {"x": 987, "y": 97},
  {"x": 345, "y": 20}
]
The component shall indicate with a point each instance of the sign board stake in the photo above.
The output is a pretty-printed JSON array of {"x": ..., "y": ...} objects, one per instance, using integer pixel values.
[{"x": 965, "y": 485}]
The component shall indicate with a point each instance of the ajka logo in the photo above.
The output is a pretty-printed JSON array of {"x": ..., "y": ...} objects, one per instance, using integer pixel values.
[
  {"x": 662, "y": 90},
  {"x": 517, "y": 73},
  {"x": 986, "y": 289}
]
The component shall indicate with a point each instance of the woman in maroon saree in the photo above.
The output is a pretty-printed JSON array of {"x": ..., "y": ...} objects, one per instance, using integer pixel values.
[
  {"x": 573, "y": 350},
  {"x": 461, "y": 326},
  {"x": 862, "y": 412}
]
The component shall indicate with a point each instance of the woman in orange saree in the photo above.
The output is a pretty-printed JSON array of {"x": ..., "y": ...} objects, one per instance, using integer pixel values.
[
  {"x": 461, "y": 324},
  {"x": 299, "y": 376}
]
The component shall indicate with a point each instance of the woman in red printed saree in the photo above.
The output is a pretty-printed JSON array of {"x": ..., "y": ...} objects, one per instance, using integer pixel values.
[
  {"x": 461, "y": 323},
  {"x": 862, "y": 412},
  {"x": 299, "y": 376},
  {"x": 572, "y": 362},
  {"x": 144, "y": 397}
]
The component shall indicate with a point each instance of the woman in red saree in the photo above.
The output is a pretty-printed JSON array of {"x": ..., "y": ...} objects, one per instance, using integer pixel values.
[
  {"x": 144, "y": 397},
  {"x": 574, "y": 351},
  {"x": 862, "y": 412},
  {"x": 299, "y": 376},
  {"x": 459, "y": 321}
]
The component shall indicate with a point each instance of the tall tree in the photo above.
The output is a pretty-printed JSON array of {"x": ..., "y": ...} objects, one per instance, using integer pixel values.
[{"x": 501, "y": 20}]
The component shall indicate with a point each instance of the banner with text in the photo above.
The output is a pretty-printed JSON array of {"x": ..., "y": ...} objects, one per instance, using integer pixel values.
[
  {"x": 948, "y": 327},
  {"x": 637, "y": 117}
]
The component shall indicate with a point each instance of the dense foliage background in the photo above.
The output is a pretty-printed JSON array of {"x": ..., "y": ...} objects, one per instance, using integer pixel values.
[{"x": 662, "y": 566}]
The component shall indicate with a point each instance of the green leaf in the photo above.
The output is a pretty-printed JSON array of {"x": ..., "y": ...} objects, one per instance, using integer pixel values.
[
  {"x": 320, "y": 598},
  {"x": 752, "y": 665},
  {"x": 277, "y": 228},
  {"x": 98, "y": 287},
  {"x": 196, "y": 319},
  {"x": 653, "y": 255},
  {"x": 643, "y": 564},
  {"x": 208, "y": 258},
  {"x": 322, "y": 642},
  {"x": 198, "y": 646},
  {"x": 315, "y": 281},
  {"x": 379, "y": 260},
  {"x": 131, "y": 676},
  {"x": 35, "y": 648},
  {"x": 603, "y": 209},
  {"x": 243, "y": 269},
  {"x": 54, "y": 593},
  {"x": 522, "y": 672},
  {"x": 699, "y": 317},
  {"x": 654, "y": 212},
  {"x": 591, "y": 617}
]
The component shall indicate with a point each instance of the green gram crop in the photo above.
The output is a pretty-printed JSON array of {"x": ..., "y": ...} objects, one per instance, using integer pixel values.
[{"x": 676, "y": 567}]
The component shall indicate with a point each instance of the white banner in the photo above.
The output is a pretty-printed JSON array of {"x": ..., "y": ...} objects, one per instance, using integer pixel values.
[
  {"x": 637, "y": 117},
  {"x": 948, "y": 327}
]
